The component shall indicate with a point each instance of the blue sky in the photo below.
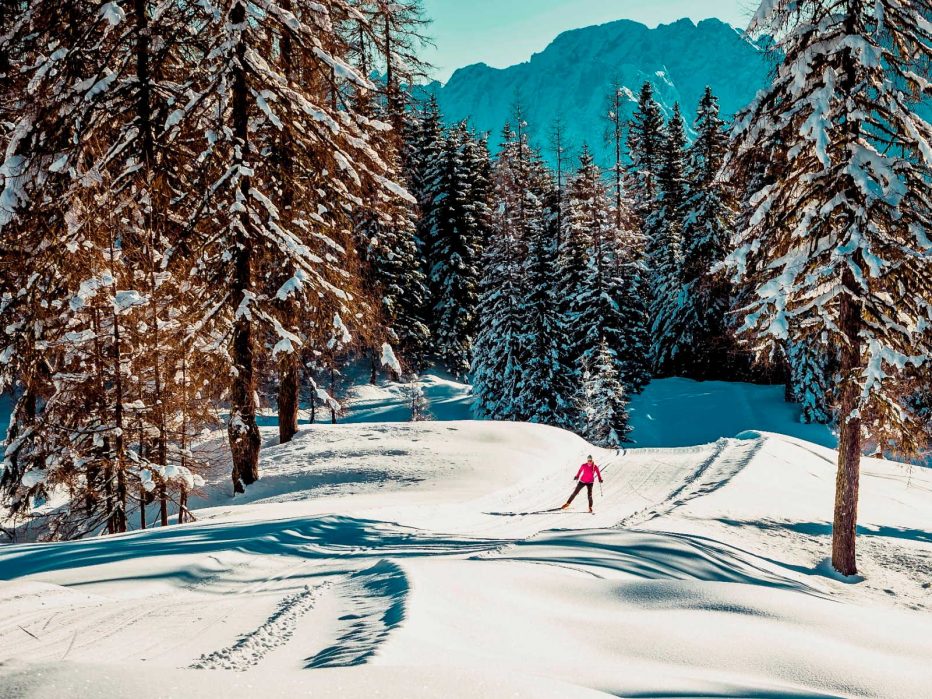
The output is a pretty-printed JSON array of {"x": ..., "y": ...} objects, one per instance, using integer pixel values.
[{"x": 505, "y": 32}]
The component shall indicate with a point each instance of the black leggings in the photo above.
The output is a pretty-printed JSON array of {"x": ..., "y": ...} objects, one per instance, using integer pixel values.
[{"x": 580, "y": 486}]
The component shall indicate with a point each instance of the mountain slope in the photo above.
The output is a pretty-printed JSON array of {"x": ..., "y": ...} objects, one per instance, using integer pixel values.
[{"x": 573, "y": 76}]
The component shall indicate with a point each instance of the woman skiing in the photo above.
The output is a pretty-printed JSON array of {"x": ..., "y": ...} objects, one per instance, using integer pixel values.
[{"x": 586, "y": 476}]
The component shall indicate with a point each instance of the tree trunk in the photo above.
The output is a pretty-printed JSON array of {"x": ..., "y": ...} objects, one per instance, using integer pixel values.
[
  {"x": 849, "y": 440},
  {"x": 243, "y": 431},
  {"x": 289, "y": 372},
  {"x": 119, "y": 440},
  {"x": 144, "y": 104},
  {"x": 142, "y": 508},
  {"x": 788, "y": 388},
  {"x": 289, "y": 382},
  {"x": 373, "y": 369},
  {"x": 182, "y": 504},
  {"x": 333, "y": 393},
  {"x": 163, "y": 504}
]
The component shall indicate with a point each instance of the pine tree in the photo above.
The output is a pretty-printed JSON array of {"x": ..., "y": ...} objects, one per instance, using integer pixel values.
[
  {"x": 424, "y": 148},
  {"x": 836, "y": 248},
  {"x": 696, "y": 341},
  {"x": 664, "y": 230},
  {"x": 645, "y": 148},
  {"x": 606, "y": 406},
  {"x": 420, "y": 406},
  {"x": 502, "y": 343},
  {"x": 634, "y": 353},
  {"x": 547, "y": 392},
  {"x": 635, "y": 360},
  {"x": 811, "y": 381},
  {"x": 599, "y": 277},
  {"x": 389, "y": 35},
  {"x": 385, "y": 227},
  {"x": 646, "y": 139},
  {"x": 459, "y": 225}
]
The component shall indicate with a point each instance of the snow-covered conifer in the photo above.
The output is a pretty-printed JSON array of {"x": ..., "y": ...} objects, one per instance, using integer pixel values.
[
  {"x": 599, "y": 278},
  {"x": 696, "y": 341},
  {"x": 418, "y": 402},
  {"x": 606, "y": 405},
  {"x": 836, "y": 247},
  {"x": 501, "y": 345},
  {"x": 664, "y": 245},
  {"x": 645, "y": 146},
  {"x": 811, "y": 381},
  {"x": 459, "y": 228},
  {"x": 548, "y": 387}
]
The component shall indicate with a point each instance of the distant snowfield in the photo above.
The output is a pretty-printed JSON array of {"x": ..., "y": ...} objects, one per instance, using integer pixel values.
[{"x": 426, "y": 560}]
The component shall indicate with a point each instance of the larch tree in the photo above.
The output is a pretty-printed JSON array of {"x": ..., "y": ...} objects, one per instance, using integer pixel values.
[
  {"x": 283, "y": 254},
  {"x": 86, "y": 240},
  {"x": 560, "y": 149},
  {"x": 614, "y": 134},
  {"x": 836, "y": 248}
]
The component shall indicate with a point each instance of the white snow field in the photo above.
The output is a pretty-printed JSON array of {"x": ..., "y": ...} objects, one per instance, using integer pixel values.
[{"x": 394, "y": 559}]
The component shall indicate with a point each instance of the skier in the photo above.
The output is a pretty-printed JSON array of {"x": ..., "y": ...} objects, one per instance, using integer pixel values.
[{"x": 586, "y": 476}]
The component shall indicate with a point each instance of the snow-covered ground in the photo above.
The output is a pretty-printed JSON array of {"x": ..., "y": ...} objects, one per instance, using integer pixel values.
[{"x": 404, "y": 559}]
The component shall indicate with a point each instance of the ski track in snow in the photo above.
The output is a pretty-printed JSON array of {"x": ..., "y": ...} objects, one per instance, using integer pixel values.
[
  {"x": 728, "y": 459},
  {"x": 250, "y": 649},
  {"x": 373, "y": 600}
]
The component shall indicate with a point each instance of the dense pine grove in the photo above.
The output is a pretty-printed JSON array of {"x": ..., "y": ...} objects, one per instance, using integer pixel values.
[{"x": 208, "y": 208}]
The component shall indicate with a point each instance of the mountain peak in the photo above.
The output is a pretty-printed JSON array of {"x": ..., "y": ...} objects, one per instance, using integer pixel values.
[{"x": 573, "y": 76}]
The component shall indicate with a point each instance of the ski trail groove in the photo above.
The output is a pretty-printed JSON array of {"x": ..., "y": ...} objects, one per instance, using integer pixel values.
[
  {"x": 251, "y": 648},
  {"x": 727, "y": 460}
]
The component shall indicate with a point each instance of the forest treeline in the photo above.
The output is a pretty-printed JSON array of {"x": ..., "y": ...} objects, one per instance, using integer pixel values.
[{"x": 207, "y": 207}]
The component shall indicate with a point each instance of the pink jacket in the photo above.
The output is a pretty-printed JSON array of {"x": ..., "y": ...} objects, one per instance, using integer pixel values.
[{"x": 587, "y": 473}]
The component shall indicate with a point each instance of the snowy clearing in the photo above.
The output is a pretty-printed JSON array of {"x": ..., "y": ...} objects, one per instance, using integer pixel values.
[{"x": 429, "y": 559}]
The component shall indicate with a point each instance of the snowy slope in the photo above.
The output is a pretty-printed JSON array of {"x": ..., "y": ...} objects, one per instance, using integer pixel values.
[
  {"x": 399, "y": 559},
  {"x": 572, "y": 78}
]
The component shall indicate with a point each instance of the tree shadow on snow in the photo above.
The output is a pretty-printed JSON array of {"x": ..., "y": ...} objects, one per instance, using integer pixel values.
[
  {"x": 316, "y": 538},
  {"x": 825, "y": 529},
  {"x": 653, "y": 556}
]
